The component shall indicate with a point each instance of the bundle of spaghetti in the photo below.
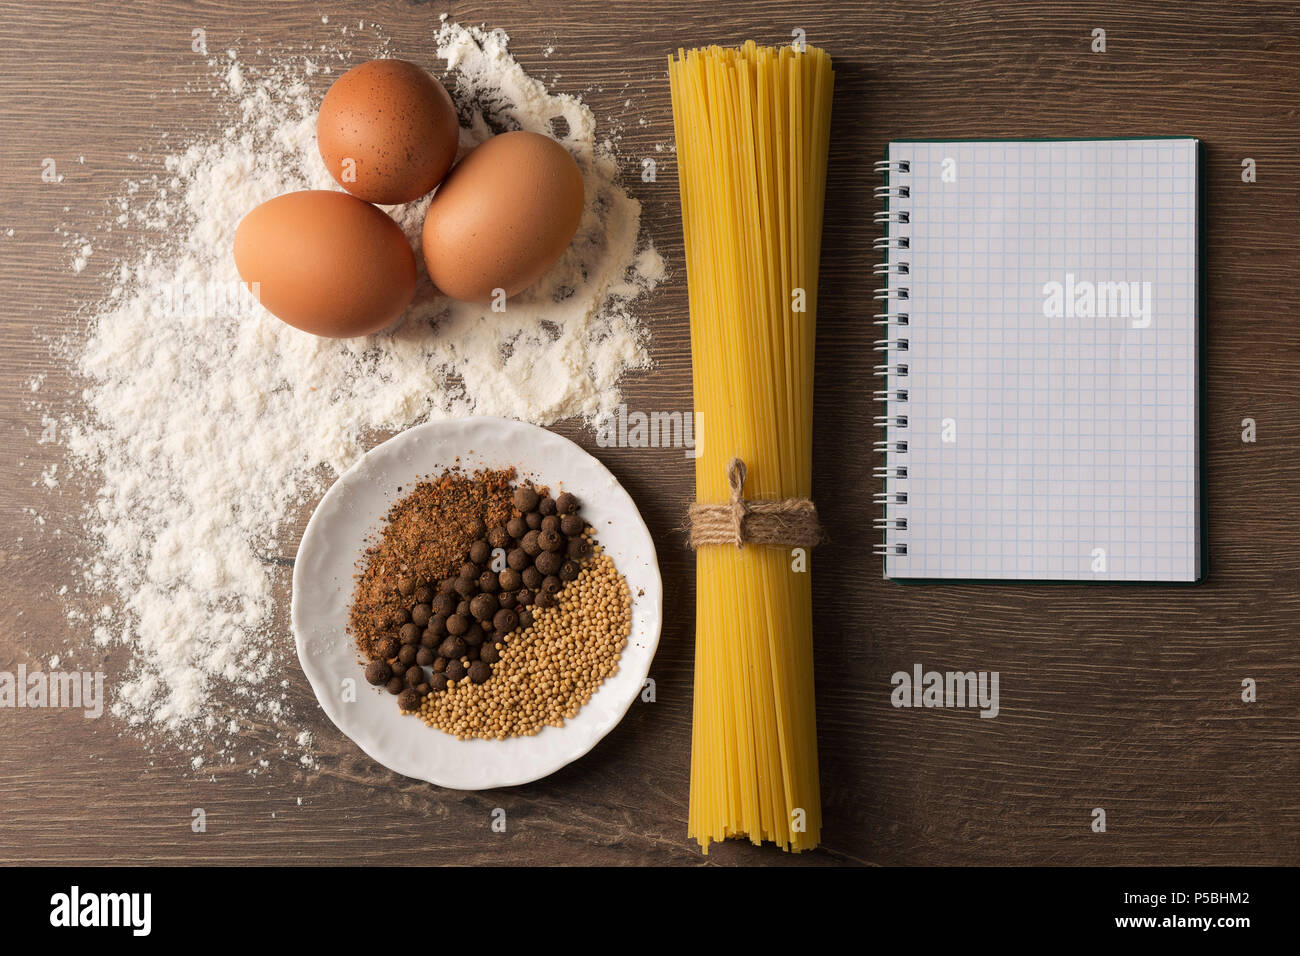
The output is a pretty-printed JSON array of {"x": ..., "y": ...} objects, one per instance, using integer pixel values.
[{"x": 753, "y": 127}]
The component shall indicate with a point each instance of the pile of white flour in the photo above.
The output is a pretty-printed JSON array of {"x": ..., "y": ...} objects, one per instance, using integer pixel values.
[{"x": 208, "y": 422}]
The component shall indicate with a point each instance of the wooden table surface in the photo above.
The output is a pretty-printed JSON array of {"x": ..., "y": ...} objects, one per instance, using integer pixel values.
[{"x": 1126, "y": 698}]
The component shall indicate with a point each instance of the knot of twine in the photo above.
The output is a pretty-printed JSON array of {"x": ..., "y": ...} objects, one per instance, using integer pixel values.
[{"x": 788, "y": 522}]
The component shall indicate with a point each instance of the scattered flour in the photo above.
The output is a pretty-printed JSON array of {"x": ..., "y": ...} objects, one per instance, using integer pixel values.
[{"x": 209, "y": 424}]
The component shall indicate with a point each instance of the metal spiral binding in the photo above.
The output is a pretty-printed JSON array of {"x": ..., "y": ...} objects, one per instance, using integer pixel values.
[{"x": 894, "y": 322}]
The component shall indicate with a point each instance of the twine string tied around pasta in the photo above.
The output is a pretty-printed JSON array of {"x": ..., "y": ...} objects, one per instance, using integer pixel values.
[{"x": 786, "y": 522}]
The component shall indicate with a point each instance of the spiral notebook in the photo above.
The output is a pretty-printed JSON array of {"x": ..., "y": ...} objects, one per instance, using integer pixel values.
[{"x": 1040, "y": 339}]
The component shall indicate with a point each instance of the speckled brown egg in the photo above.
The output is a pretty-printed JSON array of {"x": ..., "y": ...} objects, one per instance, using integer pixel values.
[
  {"x": 503, "y": 216},
  {"x": 387, "y": 131},
  {"x": 326, "y": 262}
]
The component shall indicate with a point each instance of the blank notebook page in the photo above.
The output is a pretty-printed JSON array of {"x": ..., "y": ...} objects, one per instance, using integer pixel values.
[{"x": 1051, "y": 390}]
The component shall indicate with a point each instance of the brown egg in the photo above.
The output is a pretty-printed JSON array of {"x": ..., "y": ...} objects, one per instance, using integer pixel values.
[
  {"x": 387, "y": 131},
  {"x": 503, "y": 216},
  {"x": 326, "y": 262}
]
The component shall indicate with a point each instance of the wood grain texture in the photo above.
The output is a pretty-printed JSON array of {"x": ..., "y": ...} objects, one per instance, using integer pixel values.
[{"x": 1123, "y": 698}]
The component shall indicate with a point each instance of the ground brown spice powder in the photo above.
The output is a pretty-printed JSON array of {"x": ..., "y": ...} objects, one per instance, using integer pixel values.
[{"x": 426, "y": 535}]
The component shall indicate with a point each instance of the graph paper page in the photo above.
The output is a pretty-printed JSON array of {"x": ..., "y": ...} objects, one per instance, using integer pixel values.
[{"x": 1052, "y": 392}]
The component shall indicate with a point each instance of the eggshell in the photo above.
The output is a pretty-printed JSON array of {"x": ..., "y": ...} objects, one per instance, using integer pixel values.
[
  {"x": 326, "y": 262},
  {"x": 503, "y": 216},
  {"x": 387, "y": 131}
]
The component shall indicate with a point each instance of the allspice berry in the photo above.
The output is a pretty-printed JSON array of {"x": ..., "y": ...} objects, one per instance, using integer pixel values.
[
  {"x": 572, "y": 525},
  {"x": 409, "y": 700},
  {"x": 579, "y": 549},
  {"x": 480, "y": 551},
  {"x": 505, "y": 620},
  {"x": 548, "y": 562},
  {"x": 550, "y": 540},
  {"x": 566, "y": 504},
  {"x": 410, "y": 633},
  {"x": 479, "y": 672},
  {"x": 387, "y": 647},
  {"x": 457, "y": 624},
  {"x": 395, "y": 685},
  {"x": 378, "y": 672},
  {"x": 525, "y": 498},
  {"x": 483, "y": 606},
  {"x": 546, "y": 506},
  {"x": 455, "y": 670},
  {"x": 516, "y": 527},
  {"x": 451, "y": 648}
]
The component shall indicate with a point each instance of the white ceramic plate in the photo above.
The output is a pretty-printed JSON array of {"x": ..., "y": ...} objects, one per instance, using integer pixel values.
[{"x": 324, "y": 575}]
